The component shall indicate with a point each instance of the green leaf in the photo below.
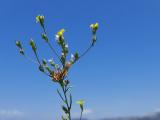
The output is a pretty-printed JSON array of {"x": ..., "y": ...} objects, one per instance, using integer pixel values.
[
  {"x": 60, "y": 95},
  {"x": 41, "y": 68},
  {"x": 76, "y": 56},
  {"x": 65, "y": 109},
  {"x": 70, "y": 101},
  {"x": 81, "y": 106},
  {"x": 63, "y": 118}
]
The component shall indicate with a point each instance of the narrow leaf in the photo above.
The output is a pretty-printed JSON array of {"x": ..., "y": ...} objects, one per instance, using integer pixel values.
[
  {"x": 60, "y": 95},
  {"x": 65, "y": 109}
]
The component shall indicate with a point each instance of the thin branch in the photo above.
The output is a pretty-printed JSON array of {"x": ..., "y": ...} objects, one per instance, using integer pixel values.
[
  {"x": 70, "y": 101},
  {"x": 60, "y": 95},
  {"x": 81, "y": 115},
  {"x": 30, "y": 59},
  {"x": 85, "y": 52},
  {"x": 66, "y": 102},
  {"x": 37, "y": 57},
  {"x": 39, "y": 63},
  {"x": 47, "y": 74},
  {"x": 49, "y": 44}
]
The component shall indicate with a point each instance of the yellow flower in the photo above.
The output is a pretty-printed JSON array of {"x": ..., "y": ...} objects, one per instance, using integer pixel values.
[
  {"x": 94, "y": 26},
  {"x": 60, "y": 33},
  {"x": 80, "y": 102},
  {"x": 40, "y": 18}
]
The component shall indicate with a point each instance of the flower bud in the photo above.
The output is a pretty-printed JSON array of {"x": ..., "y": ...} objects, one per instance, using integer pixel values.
[
  {"x": 60, "y": 38},
  {"x": 76, "y": 56},
  {"x": 60, "y": 33},
  {"x": 57, "y": 38},
  {"x": 44, "y": 62},
  {"x": 68, "y": 65},
  {"x": 72, "y": 58},
  {"x": 94, "y": 27},
  {"x": 81, "y": 103},
  {"x": 44, "y": 37},
  {"x": 34, "y": 48},
  {"x": 40, "y": 19},
  {"x": 52, "y": 62},
  {"x": 18, "y": 44},
  {"x": 66, "y": 48},
  {"x": 48, "y": 69}
]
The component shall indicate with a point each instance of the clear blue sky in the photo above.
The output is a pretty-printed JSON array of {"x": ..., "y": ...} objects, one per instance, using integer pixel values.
[{"x": 119, "y": 77}]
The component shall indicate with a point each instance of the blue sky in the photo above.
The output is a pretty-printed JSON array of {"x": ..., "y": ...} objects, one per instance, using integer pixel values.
[{"x": 119, "y": 77}]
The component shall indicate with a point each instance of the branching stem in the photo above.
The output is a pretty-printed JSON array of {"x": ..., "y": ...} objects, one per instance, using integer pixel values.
[
  {"x": 65, "y": 100},
  {"x": 86, "y": 51},
  {"x": 50, "y": 46}
]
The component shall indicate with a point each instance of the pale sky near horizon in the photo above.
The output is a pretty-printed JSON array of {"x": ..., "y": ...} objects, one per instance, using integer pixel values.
[{"x": 120, "y": 76}]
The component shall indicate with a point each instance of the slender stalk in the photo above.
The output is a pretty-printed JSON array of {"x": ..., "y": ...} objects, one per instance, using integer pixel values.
[
  {"x": 30, "y": 59},
  {"x": 86, "y": 51},
  {"x": 65, "y": 100},
  {"x": 50, "y": 46},
  {"x": 47, "y": 74},
  {"x": 37, "y": 57},
  {"x": 81, "y": 115},
  {"x": 40, "y": 63}
]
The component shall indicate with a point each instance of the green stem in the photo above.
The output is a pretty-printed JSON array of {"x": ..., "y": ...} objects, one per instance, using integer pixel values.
[
  {"x": 30, "y": 59},
  {"x": 40, "y": 63},
  {"x": 66, "y": 100},
  {"x": 85, "y": 52},
  {"x": 81, "y": 115},
  {"x": 37, "y": 57},
  {"x": 68, "y": 107},
  {"x": 50, "y": 46}
]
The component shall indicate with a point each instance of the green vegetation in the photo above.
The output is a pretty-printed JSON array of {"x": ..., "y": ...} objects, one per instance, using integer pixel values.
[{"x": 59, "y": 72}]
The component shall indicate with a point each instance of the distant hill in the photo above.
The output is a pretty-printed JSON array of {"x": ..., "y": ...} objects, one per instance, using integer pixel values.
[
  {"x": 78, "y": 119},
  {"x": 155, "y": 116}
]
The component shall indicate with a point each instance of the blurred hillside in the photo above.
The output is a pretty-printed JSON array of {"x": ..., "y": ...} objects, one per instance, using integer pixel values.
[{"x": 155, "y": 116}]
